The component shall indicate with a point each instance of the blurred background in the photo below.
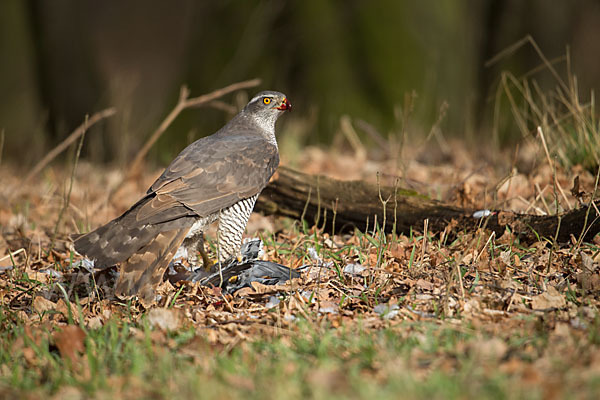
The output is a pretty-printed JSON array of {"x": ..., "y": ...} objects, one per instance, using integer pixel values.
[{"x": 374, "y": 61}]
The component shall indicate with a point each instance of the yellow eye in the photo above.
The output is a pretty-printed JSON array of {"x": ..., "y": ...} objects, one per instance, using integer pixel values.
[{"x": 267, "y": 100}]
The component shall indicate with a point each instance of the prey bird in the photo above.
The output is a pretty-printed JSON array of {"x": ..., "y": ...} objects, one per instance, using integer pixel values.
[{"x": 216, "y": 178}]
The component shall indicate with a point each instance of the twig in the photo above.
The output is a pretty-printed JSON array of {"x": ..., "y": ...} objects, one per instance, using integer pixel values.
[
  {"x": 492, "y": 236},
  {"x": 348, "y": 130},
  {"x": 460, "y": 282},
  {"x": 68, "y": 193},
  {"x": 382, "y": 235},
  {"x": 382, "y": 142},
  {"x": 69, "y": 140},
  {"x": 25, "y": 291},
  {"x": 221, "y": 105},
  {"x": 541, "y": 197},
  {"x": 183, "y": 103},
  {"x": 560, "y": 189},
  {"x": 14, "y": 253},
  {"x": 231, "y": 310},
  {"x": 424, "y": 245},
  {"x": 1, "y": 145},
  {"x": 531, "y": 205},
  {"x": 514, "y": 47}
]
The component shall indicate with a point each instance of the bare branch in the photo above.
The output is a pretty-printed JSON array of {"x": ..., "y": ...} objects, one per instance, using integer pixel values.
[
  {"x": 183, "y": 103},
  {"x": 100, "y": 115}
]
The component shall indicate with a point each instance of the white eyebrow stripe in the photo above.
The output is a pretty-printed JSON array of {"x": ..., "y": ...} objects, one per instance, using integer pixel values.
[{"x": 270, "y": 96}]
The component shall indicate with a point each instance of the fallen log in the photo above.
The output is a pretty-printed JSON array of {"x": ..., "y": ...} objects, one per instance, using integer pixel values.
[{"x": 341, "y": 206}]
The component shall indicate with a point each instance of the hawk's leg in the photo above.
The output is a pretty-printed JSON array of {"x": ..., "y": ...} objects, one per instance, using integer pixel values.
[
  {"x": 232, "y": 224},
  {"x": 194, "y": 246},
  {"x": 207, "y": 264}
]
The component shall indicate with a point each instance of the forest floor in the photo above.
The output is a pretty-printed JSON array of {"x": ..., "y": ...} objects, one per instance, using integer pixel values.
[{"x": 373, "y": 315}]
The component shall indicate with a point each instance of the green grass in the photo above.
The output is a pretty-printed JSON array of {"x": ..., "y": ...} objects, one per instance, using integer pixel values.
[{"x": 410, "y": 360}]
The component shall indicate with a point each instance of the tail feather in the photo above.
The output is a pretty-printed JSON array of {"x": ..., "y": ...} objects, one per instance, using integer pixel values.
[
  {"x": 143, "y": 271},
  {"x": 142, "y": 247},
  {"x": 113, "y": 242}
]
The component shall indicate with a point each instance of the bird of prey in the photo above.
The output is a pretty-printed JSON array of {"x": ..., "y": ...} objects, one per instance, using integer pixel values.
[{"x": 216, "y": 178}]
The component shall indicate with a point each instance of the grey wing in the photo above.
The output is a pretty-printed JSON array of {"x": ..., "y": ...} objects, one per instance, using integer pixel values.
[{"x": 211, "y": 174}]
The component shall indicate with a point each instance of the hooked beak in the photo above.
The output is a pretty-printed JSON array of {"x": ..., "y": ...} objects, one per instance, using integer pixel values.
[{"x": 285, "y": 105}]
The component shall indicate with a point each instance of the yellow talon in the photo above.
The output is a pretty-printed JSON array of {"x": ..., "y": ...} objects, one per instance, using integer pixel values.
[{"x": 207, "y": 263}]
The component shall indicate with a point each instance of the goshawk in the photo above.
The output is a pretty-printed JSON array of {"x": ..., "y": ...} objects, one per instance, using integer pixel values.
[{"x": 216, "y": 178}]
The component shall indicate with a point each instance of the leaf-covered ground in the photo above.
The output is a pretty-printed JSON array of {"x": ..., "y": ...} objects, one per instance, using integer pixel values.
[{"x": 421, "y": 315}]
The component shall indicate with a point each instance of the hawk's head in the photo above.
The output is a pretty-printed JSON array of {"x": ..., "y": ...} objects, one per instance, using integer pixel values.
[
  {"x": 264, "y": 109},
  {"x": 268, "y": 103}
]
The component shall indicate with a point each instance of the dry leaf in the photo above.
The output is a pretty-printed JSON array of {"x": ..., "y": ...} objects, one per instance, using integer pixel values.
[
  {"x": 40, "y": 305},
  {"x": 467, "y": 258},
  {"x": 328, "y": 307},
  {"x": 164, "y": 318},
  {"x": 472, "y": 306},
  {"x": 95, "y": 322},
  {"x": 587, "y": 262},
  {"x": 505, "y": 257},
  {"x": 260, "y": 288},
  {"x": 549, "y": 299},
  {"x": 589, "y": 281},
  {"x": 423, "y": 284},
  {"x": 70, "y": 342},
  {"x": 63, "y": 308}
]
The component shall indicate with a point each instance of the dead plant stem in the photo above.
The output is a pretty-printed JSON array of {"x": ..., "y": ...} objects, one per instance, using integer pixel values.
[
  {"x": 67, "y": 198},
  {"x": 81, "y": 129}
]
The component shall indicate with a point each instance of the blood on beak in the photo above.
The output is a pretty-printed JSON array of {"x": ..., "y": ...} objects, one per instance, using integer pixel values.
[{"x": 285, "y": 105}]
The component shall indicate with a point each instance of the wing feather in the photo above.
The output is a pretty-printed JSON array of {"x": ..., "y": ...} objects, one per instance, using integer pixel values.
[{"x": 211, "y": 174}]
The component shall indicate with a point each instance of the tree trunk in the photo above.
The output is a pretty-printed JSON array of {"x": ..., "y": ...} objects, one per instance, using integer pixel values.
[{"x": 340, "y": 206}]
